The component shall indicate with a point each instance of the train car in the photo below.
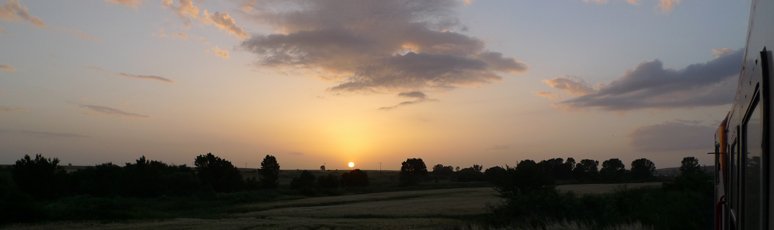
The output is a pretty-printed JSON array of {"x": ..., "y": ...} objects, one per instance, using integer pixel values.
[{"x": 742, "y": 152}]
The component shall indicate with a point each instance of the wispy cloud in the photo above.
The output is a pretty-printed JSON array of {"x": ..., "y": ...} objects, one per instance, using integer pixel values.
[
  {"x": 7, "y": 109},
  {"x": 129, "y": 3},
  {"x": 7, "y": 68},
  {"x": 650, "y": 85},
  {"x": 134, "y": 76},
  {"x": 185, "y": 9},
  {"x": 672, "y": 135},
  {"x": 220, "y": 52},
  {"x": 225, "y": 22},
  {"x": 77, "y": 33},
  {"x": 146, "y": 77},
  {"x": 376, "y": 46},
  {"x": 13, "y": 10},
  {"x": 573, "y": 86},
  {"x": 417, "y": 96},
  {"x": 111, "y": 111},
  {"x": 662, "y": 5},
  {"x": 190, "y": 12},
  {"x": 41, "y": 134},
  {"x": 667, "y": 5}
]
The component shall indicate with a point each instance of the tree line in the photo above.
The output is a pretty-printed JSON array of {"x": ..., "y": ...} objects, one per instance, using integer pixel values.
[
  {"x": 43, "y": 177},
  {"x": 550, "y": 171}
]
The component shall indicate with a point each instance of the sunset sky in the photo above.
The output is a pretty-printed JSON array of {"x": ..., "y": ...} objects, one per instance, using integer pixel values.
[{"x": 332, "y": 81}]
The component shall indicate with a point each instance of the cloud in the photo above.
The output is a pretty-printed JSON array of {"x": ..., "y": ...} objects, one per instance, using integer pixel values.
[
  {"x": 135, "y": 76},
  {"x": 376, "y": 45},
  {"x": 572, "y": 86},
  {"x": 672, "y": 136},
  {"x": 6, "y": 109},
  {"x": 417, "y": 96},
  {"x": 663, "y": 5},
  {"x": 295, "y": 153},
  {"x": 129, "y": 3},
  {"x": 41, "y": 134},
  {"x": 650, "y": 85},
  {"x": 225, "y": 22},
  {"x": 548, "y": 95},
  {"x": 146, "y": 77},
  {"x": 77, "y": 33},
  {"x": 7, "y": 68},
  {"x": 718, "y": 52},
  {"x": 13, "y": 10},
  {"x": 112, "y": 111},
  {"x": 185, "y": 9},
  {"x": 220, "y": 52},
  {"x": 499, "y": 148},
  {"x": 178, "y": 35},
  {"x": 602, "y": 2},
  {"x": 667, "y": 5}
]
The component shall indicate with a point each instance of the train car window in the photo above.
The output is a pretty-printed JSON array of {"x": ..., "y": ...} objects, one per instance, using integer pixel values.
[{"x": 753, "y": 153}]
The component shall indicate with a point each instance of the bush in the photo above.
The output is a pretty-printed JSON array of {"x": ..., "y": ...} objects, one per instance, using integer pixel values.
[
  {"x": 304, "y": 183},
  {"x": 354, "y": 178},
  {"x": 217, "y": 173},
  {"x": 40, "y": 177},
  {"x": 329, "y": 181}
]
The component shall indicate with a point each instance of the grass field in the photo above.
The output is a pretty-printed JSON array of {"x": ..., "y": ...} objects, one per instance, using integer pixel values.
[{"x": 417, "y": 209}]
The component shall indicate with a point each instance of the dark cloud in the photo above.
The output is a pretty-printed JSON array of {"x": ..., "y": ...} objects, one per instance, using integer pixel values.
[
  {"x": 417, "y": 96},
  {"x": 376, "y": 45},
  {"x": 146, "y": 77},
  {"x": 672, "y": 136},
  {"x": 112, "y": 111},
  {"x": 41, "y": 134},
  {"x": 650, "y": 85}
]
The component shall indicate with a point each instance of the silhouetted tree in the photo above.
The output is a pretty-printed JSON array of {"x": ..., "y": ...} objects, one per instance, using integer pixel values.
[
  {"x": 613, "y": 170},
  {"x": 354, "y": 178},
  {"x": 642, "y": 170},
  {"x": 328, "y": 181},
  {"x": 564, "y": 171},
  {"x": 496, "y": 175},
  {"x": 218, "y": 173},
  {"x": 586, "y": 170},
  {"x": 689, "y": 165},
  {"x": 40, "y": 177},
  {"x": 526, "y": 177},
  {"x": 412, "y": 170},
  {"x": 442, "y": 172},
  {"x": 470, "y": 174},
  {"x": 269, "y": 172}
]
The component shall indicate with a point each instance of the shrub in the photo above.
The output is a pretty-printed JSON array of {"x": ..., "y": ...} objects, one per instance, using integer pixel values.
[
  {"x": 217, "y": 173},
  {"x": 354, "y": 178}
]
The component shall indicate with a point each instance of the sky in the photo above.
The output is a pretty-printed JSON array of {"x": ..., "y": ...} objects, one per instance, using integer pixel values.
[{"x": 326, "y": 82}]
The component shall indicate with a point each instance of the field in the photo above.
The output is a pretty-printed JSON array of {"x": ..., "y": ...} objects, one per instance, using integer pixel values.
[{"x": 417, "y": 209}]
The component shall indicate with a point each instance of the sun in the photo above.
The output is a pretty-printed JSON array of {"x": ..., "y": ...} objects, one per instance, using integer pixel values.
[{"x": 351, "y": 164}]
